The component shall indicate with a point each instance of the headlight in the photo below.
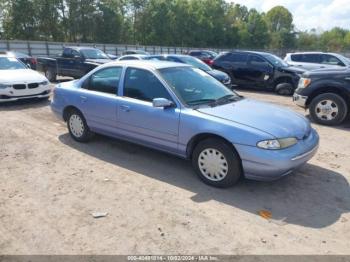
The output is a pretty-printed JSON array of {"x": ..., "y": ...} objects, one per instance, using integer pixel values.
[
  {"x": 274, "y": 144},
  {"x": 227, "y": 81},
  {"x": 304, "y": 82},
  {"x": 44, "y": 83},
  {"x": 2, "y": 86}
]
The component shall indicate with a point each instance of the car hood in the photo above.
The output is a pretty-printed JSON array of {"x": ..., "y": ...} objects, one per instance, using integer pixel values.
[
  {"x": 293, "y": 69},
  {"x": 98, "y": 61},
  {"x": 20, "y": 76},
  {"x": 328, "y": 72},
  {"x": 221, "y": 76},
  {"x": 275, "y": 120}
]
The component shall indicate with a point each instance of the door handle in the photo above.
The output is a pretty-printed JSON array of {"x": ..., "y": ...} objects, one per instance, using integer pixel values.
[
  {"x": 125, "y": 108},
  {"x": 83, "y": 99},
  {"x": 347, "y": 78}
]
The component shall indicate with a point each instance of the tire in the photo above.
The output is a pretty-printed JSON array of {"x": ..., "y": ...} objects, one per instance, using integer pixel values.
[
  {"x": 284, "y": 89},
  {"x": 78, "y": 129},
  {"x": 50, "y": 74},
  {"x": 328, "y": 109},
  {"x": 211, "y": 151}
]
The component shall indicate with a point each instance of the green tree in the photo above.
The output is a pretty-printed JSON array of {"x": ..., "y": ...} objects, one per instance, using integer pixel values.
[
  {"x": 15, "y": 24},
  {"x": 280, "y": 24},
  {"x": 254, "y": 33},
  {"x": 333, "y": 40}
]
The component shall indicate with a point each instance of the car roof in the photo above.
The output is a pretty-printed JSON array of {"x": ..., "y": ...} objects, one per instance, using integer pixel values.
[
  {"x": 80, "y": 47},
  {"x": 172, "y": 55},
  {"x": 134, "y": 55},
  {"x": 246, "y": 52},
  {"x": 311, "y": 53},
  {"x": 147, "y": 64}
]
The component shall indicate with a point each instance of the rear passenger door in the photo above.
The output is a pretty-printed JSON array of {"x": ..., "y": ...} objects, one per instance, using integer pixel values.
[{"x": 98, "y": 99}]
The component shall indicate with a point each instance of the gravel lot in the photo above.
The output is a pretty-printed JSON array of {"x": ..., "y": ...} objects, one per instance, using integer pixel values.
[{"x": 50, "y": 185}]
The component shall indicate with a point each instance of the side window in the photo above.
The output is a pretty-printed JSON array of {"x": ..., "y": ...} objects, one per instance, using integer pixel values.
[
  {"x": 75, "y": 53},
  {"x": 237, "y": 58},
  {"x": 331, "y": 60},
  {"x": 297, "y": 58},
  {"x": 143, "y": 85},
  {"x": 312, "y": 58},
  {"x": 105, "y": 80},
  {"x": 67, "y": 52},
  {"x": 257, "y": 61}
]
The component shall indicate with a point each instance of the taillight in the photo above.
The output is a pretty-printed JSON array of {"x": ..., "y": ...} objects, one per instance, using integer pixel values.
[
  {"x": 33, "y": 61},
  {"x": 210, "y": 62}
]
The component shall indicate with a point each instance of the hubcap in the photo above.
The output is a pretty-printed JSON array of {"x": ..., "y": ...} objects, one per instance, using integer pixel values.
[
  {"x": 76, "y": 125},
  {"x": 213, "y": 164},
  {"x": 327, "y": 110}
]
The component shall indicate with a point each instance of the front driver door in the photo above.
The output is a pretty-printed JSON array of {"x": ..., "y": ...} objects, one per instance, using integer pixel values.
[
  {"x": 137, "y": 117},
  {"x": 260, "y": 72}
]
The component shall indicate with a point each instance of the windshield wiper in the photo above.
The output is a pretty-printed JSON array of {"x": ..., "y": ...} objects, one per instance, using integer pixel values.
[
  {"x": 225, "y": 99},
  {"x": 201, "y": 101}
]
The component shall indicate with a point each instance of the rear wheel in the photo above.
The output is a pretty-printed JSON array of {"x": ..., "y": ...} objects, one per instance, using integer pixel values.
[
  {"x": 216, "y": 163},
  {"x": 328, "y": 109},
  {"x": 50, "y": 74},
  {"x": 77, "y": 126}
]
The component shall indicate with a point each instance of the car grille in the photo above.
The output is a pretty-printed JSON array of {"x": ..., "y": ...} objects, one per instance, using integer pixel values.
[
  {"x": 23, "y": 86},
  {"x": 19, "y": 87},
  {"x": 33, "y": 85}
]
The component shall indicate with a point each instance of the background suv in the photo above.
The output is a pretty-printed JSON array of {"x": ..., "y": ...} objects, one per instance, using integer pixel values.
[
  {"x": 316, "y": 60},
  {"x": 259, "y": 70}
]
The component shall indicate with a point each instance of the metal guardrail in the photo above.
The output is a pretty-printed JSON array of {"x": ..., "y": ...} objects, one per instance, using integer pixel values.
[
  {"x": 42, "y": 48},
  {"x": 50, "y": 49}
]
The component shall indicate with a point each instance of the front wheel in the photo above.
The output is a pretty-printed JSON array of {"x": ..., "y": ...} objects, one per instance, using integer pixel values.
[
  {"x": 50, "y": 74},
  {"x": 284, "y": 89},
  {"x": 216, "y": 163},
  {"x": 77, "y": 126},
  {"x": 328, "y": 109}
]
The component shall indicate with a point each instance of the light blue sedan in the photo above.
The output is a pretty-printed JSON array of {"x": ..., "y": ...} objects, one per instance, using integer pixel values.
[{"x": 184, "y": 111}]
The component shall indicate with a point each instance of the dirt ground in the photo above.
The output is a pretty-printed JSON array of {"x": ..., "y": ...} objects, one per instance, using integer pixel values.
[{"x": 50, "y": 185}]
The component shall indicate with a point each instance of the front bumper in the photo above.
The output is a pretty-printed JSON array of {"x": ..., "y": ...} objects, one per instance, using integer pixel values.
[
  {"x": 267, "y": 165},
  {"x": 300, "y": 100},
  {"x": 11, "y": 94}
]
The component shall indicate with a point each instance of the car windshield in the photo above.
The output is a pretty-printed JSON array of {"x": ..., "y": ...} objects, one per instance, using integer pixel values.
[
  {"x": 195, "y": 62},
  {"x": 10, "y": 63},
  {"x": 275, "y": 60},
  {"x": 94, "y": 54},
  {"x": 195, "y": 87}
]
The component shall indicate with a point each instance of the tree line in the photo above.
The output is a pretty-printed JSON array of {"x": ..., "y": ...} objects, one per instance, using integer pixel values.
[{"x": 194, "y": 23}]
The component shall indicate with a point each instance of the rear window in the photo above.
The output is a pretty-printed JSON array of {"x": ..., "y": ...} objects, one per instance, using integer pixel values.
[{"x": 234, "y": 57}]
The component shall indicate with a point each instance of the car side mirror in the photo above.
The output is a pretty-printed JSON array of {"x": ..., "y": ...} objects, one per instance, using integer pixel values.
[{"x": 162, "y": 102}]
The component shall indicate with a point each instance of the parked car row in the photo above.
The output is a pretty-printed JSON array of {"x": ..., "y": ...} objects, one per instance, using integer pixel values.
[
  {"x": 259, "y": 70},
  {"x": 176, "y": 104}
]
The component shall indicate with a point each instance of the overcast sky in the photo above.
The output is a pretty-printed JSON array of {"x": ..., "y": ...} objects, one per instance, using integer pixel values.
[{"x": 308, "y": 14}]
